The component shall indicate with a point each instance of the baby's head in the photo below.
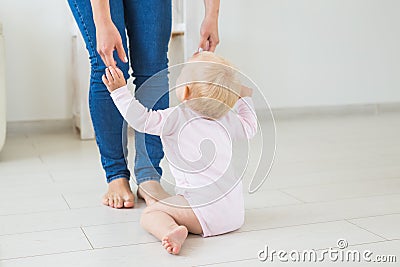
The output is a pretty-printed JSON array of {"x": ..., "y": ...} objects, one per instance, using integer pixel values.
[{"x": 209, "y": 84}]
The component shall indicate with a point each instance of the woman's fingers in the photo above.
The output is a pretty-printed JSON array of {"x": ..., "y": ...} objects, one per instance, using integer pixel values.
[
  {"x": 213, "y": 42},
  {"x": 121, "y": 53},
  {"x": 102, "y": 56},
  {"x": 204, "y": 43},
  {"x": 109, "y": 59}
]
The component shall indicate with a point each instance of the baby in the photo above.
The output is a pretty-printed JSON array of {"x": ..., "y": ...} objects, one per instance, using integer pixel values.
[{"x": 214, "y": 108}]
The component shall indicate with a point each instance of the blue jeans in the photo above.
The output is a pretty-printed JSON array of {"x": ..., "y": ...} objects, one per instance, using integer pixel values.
[{"x": 148, "y": 26}]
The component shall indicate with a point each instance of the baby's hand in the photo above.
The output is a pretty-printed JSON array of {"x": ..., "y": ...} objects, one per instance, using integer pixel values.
[
  {"x": 113, "y": 79},
  {"x": 245, "y": 91}
]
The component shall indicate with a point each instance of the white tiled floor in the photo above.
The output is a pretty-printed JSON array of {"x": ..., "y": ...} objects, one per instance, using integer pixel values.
[{"x": 334, "y": 177}]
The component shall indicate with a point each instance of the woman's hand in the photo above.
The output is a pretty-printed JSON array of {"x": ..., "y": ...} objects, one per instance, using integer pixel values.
[
  {"x": 113, "y": 79},
  {"x": 108, "y": 40},
  {"x": 245, "y": 91},
  {"x": 209, "y": 38},
  {"x": 107, "y": 35}
]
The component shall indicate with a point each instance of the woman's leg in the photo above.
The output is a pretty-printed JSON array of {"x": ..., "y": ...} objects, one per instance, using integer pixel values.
[
  {"x": 148, "y": 25},
  {"x": 170, "y": 221},
  {"x": 107, "y": 121}
]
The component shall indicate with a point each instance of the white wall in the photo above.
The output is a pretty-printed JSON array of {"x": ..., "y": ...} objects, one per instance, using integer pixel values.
[
  {"x": 38, "y": 48},
  {"x": 312, "y": 52},
  {"x": 300, "y": 52}
]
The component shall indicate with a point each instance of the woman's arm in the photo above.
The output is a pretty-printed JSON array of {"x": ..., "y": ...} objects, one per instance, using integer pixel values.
[
  {"x": 107, "y": 36},
  {"x": 209, "y": 38}
]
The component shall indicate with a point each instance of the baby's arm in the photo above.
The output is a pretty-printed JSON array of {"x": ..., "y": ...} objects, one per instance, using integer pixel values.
[
  {"x": 138, "y": 117},
  {"x": 244, "y": 122}
]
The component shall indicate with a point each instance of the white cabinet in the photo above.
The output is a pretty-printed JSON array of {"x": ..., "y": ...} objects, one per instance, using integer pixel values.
[
  {"x": 178, "y": 43},
  {"x": 80, "y": 80},
  {"x": 2, "y": 90}
]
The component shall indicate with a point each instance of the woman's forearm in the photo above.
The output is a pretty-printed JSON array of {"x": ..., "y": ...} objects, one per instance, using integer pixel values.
[
  {"x": 209, "y": 37},
  {"x": 101, "y": 11},
  {"x": 212, "y": 7}
]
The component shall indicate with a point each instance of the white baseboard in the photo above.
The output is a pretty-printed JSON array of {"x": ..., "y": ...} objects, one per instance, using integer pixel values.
[
  {"x": 41, "y": 126},
  {"x": 329, "y": 111},
  {"x": 67, "y": 125}
]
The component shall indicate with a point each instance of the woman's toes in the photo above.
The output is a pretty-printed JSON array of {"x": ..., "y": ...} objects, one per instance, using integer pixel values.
[
  {"x": 118, "y": 202},
  {"x": 119, "y": 194},
  {"x": 105, "y": 200},
  {"x": 128, "y": 203},
  {"x": 110, "y": 202}
]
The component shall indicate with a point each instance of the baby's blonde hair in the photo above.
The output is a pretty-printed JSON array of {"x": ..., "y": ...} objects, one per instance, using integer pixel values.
[{"x": 213, "y": 85}]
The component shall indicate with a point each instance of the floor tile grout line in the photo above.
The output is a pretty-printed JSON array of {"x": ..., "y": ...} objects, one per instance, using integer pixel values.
[
  {"x": 372, "y": 216},
  {"x": 41, "y": 255},
  {"x": 36, "y": 212},
  {"x": 105, "y": 224},
  {"x": 274, "y": 206},
  {"x": 40, "y": 231},
  {"x": 287, "y": 226},
  {"x": 290, "y": 195},
  {"x": 305, "y": 224},
  {"x": 41, "y": 160},
  {"x": 87, "y": 238},
  {"x": 384, "y": 238},
  {"x": 348, "y": 198},
  {"x": 127, "y": 245},
  {"x": 222, "y": 262},
  {"x": 244, "y": 231},
  {"x": 237, "y": 232},
  {"x": 66, "y": 228},
  {"x": 66, "y": 202},
  {"x": 90, "y": 225},
  {"x": 52, "y": 177},
  {"x": 50, "y": 211},
  {"x": 74, "y": 251},
  {"x": 329, "y": 201},
  {"x": 318, "y": 222},
  {"x": 364, "y": 243},
  {"x": 337, "y": 183}
]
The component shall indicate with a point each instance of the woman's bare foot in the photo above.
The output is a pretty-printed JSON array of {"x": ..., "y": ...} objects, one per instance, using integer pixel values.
[
  {"x": 173, "y": 241},
  {"x": 151, "y": 192},
  {"x": 119, "y": 194}
]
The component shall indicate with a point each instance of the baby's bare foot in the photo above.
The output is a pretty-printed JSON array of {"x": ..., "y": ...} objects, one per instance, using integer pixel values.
[
  {"x": 151, "y": 192},
  {"x": 119, "y": 194},
  {"x": 173, "y": 241}
]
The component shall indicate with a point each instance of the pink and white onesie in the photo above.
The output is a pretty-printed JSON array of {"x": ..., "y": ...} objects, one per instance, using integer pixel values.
[{"x": 199, "y": 153}]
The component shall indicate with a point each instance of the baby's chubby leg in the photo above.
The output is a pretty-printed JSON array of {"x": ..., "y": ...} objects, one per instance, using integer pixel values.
[{"x": 170, "y": 221}]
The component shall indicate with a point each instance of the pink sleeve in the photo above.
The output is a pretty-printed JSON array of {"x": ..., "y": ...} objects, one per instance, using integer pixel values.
[
  {"x": 139, "y": 117},
  {"x": 243, "y": 120}
]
